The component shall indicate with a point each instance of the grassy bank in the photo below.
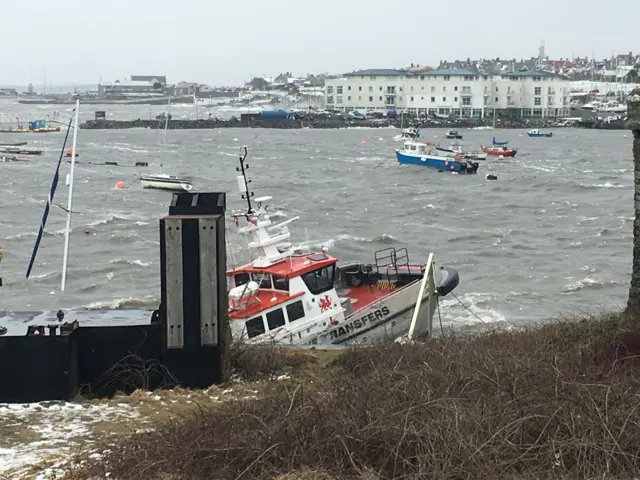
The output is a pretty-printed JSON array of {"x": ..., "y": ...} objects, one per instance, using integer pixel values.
[{"x": 559, "y": 401}]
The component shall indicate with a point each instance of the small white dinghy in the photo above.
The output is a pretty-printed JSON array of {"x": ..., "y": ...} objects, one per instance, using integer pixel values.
[{"x": 164, "y": 181}]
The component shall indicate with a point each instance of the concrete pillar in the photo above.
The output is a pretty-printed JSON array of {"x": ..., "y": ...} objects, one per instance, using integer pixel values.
[
  {"x": 194, "y": 305},
  {"x": 633, "y": 124}
]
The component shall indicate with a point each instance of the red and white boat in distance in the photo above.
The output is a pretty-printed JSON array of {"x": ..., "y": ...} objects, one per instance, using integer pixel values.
[{"x": 290, "y": 296}]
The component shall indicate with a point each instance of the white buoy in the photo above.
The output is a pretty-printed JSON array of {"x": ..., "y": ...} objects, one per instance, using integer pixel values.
[{"x": 500, "y": 157}]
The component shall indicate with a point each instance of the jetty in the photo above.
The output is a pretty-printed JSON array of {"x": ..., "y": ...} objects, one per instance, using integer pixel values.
[
  {"x": 59, "y": 357},
  {"x": 306, "y": 121}
]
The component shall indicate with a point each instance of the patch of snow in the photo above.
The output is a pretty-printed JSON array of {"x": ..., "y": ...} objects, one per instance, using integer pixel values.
[{"x": 51, "y": 430}]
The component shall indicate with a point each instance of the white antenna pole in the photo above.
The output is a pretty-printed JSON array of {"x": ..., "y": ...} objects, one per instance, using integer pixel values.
[{"x": 68, "y": 229}]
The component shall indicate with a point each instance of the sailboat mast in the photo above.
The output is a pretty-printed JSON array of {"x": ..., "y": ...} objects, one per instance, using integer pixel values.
[
  {"x": 166, "y": 126},
  {"x": 68, "y": 228},
  {"x": 164, "y": 138}
]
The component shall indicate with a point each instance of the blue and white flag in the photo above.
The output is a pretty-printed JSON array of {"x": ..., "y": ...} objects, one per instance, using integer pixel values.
[{"x": 52, "y": 192}]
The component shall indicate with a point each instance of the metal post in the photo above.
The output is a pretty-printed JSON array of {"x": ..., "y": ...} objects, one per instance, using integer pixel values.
[
  {"x": 68, "y": 228},
  {"x": 633, "y": 123}
]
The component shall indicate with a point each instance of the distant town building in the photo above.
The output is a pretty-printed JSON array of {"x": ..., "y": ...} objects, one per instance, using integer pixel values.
[
  {"x": 286, "y": 82},
  {"x": 8, "y": 92},
  {"x": 162, "y": 79},
  {"x": 457, "y": 91},
  {"x": 186, "y": 88},
  {"x": 137, "y": 85}
]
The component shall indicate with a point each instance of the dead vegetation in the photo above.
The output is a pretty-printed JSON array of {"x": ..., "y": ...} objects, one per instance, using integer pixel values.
[{"x": 558, "y": 401}]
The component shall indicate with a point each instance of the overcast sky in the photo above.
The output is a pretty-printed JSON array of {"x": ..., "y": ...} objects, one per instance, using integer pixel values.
[{"x": 222, "y": 43}]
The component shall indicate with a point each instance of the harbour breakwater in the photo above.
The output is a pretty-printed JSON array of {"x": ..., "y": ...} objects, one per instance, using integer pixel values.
[{"x": 314, "y": 122}]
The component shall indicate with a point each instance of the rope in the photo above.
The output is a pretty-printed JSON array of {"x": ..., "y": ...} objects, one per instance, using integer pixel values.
[
  {"x": 470, "y": 311},
  {"x": 440, "y": 316}
]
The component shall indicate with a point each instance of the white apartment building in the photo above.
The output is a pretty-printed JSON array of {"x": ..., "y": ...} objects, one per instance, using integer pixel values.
[
  {"x": 457, "y": 92},
  {"x": 375, "y": 89}
]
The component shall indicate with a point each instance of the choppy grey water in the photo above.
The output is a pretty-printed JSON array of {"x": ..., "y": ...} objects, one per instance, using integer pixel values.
[{"x": 551, "y": 236}]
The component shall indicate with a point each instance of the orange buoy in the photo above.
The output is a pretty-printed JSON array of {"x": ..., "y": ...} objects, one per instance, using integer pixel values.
[{"x": 119, "y": 185}]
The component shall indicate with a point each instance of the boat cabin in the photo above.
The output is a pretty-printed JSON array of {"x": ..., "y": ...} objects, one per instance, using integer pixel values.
[{"x": 416, "y": 147}]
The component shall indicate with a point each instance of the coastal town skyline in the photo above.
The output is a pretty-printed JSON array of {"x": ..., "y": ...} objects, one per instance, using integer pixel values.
[
  {"x": 624, "y": 66},
  {"x": 77, "y": 45}
]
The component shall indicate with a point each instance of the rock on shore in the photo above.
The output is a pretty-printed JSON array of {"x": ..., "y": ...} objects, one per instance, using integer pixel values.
[{"x": 328, "y": 123}]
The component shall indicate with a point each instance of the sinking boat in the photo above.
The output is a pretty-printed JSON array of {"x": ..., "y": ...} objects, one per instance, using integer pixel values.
[
  {"x": 292, "y": 296},
  {"x": 4, "y": 158},
  {"x": 21, "y": 151},
  {"x": 416, "y": 153}
]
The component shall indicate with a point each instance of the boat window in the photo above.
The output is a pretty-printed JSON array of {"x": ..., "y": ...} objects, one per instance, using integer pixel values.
[
  {"x": 413, "y": 147},
  {"x": 263, "y": 280},
  {"x": 280, "y": 283},
  {"x": 255, "y": 327},
  {"x": 321, "y": 280},
  {"x": 275, "y": 319},
  {"x": 295, "y": 311},
  {"x": 241, "y": 279}
]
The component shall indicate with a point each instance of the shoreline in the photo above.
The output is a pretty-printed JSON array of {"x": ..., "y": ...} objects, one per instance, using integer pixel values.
[{"x": 314, "y": 123}]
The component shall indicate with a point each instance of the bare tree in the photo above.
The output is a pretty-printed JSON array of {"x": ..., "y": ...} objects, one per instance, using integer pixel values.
[{"x": 633, "y": 123}]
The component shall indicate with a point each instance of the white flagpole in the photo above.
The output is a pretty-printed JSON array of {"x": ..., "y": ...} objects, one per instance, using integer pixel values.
[{"x": 68, "y": 229}]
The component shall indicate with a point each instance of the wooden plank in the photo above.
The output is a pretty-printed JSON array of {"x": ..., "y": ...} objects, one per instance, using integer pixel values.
[
  {"x": 208, "y": 281},
  {"x": 173, "y": 269}
]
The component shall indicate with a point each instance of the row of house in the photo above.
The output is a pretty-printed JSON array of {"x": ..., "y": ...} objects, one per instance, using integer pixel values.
[
  {"x": 619, "y": 68},
  {"x": 451, "y": 91},
  {"x": 286, "y": 82},
  {"x": 535, "y": 87}
]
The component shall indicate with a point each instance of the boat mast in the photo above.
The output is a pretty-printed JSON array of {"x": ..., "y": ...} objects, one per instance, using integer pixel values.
[
  {"x": 166, "y": 126},
  {"x": 244, "y": 188},
  {"x": 70, "y": 199}
]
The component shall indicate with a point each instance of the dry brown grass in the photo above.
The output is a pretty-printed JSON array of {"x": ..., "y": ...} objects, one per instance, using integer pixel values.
[{"x": 559, "y": 401}]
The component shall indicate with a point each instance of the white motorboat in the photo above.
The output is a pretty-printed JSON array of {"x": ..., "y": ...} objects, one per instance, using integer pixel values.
[
  {"x": 291, "y": 296},
  {"x": 164, "y": 181},
  {"x": 409, "y": 133}
]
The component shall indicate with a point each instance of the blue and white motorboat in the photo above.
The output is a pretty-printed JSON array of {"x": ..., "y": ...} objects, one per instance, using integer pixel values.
[
  {"x": 416, "y": 153},
  {"x": 538, "y": 133}
]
